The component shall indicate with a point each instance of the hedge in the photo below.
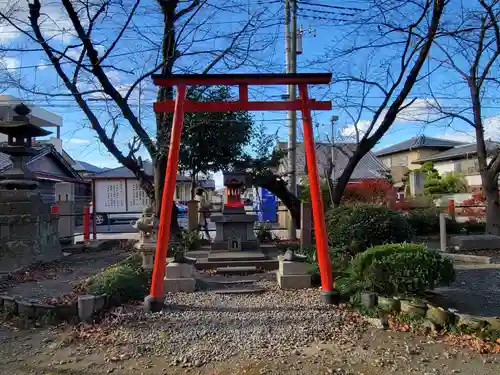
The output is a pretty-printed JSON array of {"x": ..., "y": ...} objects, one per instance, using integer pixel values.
[
  {"x": 356, "y": 228},
  {"x": 397, "y": 270}
]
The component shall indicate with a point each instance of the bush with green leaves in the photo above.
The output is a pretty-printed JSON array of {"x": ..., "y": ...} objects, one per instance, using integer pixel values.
[
  {"x": 190, "y": 240},
  {"x": 397, "y": 270},
  {"x": 424, "y": 221},
  {"x": 358, "y": 227},
  {"x": 122, "y": 282}
]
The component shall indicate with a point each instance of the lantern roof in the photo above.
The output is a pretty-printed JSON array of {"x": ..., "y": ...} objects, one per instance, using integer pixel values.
[{"x": 20, "y": 124}]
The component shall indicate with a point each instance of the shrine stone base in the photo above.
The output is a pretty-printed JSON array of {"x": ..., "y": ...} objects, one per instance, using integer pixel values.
[
  {"x": 179, "y": 278},
  {"x": 28, "y": 231},
  {"x": 293, "y": 275},
  {"x": 234, "y": 230}
]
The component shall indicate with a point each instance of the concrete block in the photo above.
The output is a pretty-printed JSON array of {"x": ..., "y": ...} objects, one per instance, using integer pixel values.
[
  {"x": 179, "y": 271},
  {"x": 292, "y": 268},
  {"x": 293, "y": 281},
  {"x": 100, "y": 302},
  {"x": 86, "y": 306},
  {"x": 44, "y": 311},
  {"x": 67, "y": 311},
  {"x": 176, "y": 285},
  {"x": 26, "y": 308},
  {"x": 466, "y": 258},
  {"x": 475, "y": 242},
  {"x": 9, "y": 304}
]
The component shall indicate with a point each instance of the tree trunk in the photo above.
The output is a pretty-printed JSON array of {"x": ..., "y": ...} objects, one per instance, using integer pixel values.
[
  {"x": 490, "y": 188},
  {"x": 344, "y": 178},
  {"x": 160, "y": 168},
  {"x": 279, "y": 189},
  {"x": 164, "y": 120}
]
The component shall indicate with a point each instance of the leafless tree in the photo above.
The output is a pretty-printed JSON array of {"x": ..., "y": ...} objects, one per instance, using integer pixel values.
[
  {"x": 89, "y": 43},
  {"x": 468, "y": 51},
  {"x": 377, "y": 60}
]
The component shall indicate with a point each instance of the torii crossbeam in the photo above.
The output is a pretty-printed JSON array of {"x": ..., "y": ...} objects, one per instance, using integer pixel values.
[{"x": 181, "y": 105}]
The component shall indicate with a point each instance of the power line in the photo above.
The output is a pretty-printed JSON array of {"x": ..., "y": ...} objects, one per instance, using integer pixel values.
[{"x": 330, "y": 6}]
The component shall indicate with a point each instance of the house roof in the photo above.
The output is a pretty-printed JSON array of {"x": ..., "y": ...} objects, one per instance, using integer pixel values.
[
  {"x": 83, "y": 166},
  {"x": 42, "y": 150},
  {"x": 369, "y": 166},
  {"x": 460, "y": 152},
  {"x": 124, "y": 172},
  {"x": 418, "y": 142}
]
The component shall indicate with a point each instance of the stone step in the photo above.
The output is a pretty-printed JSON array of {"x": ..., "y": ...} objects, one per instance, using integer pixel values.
[
  {"x": 266, "y": 264},
  {"x": 239, "y": 256},
  {"x": 236, "y": 269},
  {"x": 232, "y": 282},
  {"x": 255, "y": 290}
]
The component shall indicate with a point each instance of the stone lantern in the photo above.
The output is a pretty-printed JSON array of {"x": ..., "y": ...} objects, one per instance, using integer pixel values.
[{"x": 20, "y": 133}]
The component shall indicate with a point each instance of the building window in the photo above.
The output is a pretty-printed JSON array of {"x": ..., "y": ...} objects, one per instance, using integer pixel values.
[
  {"x": 399, "y": 161},
  {"x": 469, "y": 166}
]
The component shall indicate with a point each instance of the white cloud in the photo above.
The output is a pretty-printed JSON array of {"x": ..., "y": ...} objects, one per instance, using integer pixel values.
[
  {"x": 491, "y": 131},
  {"x": 79, "y": 141},
  {"x": 54, "y": 21},
  {"x": 419, "y": 110},
  {"x": 9, "y": 63}
]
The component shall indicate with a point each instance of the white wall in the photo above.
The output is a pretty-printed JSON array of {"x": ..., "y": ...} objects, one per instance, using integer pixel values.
[
  {"x": 444, "y": 167},
  {"x": 474, "y": 180},
  {"x": 458, "y": 198}
]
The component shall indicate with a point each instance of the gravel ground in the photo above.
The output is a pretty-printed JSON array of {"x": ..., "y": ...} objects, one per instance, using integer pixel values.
[
  {"x": 205, "y": 327},
  {"x": 204, "y": 333}
]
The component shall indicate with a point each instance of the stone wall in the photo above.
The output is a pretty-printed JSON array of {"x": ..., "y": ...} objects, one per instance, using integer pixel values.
[{"x": 28, "y": 231}]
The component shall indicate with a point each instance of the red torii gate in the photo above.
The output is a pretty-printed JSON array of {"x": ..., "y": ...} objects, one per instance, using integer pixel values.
[{"x": 181, "y": 105}]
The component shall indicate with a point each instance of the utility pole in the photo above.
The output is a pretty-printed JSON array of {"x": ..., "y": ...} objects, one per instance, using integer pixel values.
[
  {"x": 291, "y": 67},
  {"x": 334, "y": 119}
]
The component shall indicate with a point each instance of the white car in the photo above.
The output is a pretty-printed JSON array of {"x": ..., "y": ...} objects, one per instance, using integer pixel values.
[{"x": 106, "y": 218}]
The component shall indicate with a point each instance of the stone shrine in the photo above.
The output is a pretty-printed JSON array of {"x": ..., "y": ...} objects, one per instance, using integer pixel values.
[
  {"x": 28, "y": 229},
  {"x": 234, "y": 228}
]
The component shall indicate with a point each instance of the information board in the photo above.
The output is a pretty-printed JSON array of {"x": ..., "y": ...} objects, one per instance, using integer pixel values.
[
  {"x": 110, "y": 196},
  {"x": 136, "y": 197}
]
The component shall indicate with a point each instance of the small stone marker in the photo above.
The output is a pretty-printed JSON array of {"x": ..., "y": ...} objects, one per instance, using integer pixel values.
[
  {"x": 179, "y": 277},
  {"x": 292, "y": 274},
  {"x": 86, "y": 307}
]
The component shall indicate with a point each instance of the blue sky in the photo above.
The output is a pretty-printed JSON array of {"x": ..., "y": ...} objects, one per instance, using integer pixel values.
[{"x": 327, "y": 31}]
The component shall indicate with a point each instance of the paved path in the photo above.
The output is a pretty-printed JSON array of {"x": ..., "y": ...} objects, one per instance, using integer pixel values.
[
  {"x": 57, "y": 279},
  {"x": 476, "y": 290}
]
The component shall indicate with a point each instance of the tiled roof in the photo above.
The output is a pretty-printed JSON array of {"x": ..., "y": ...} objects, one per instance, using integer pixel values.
[
  {"x": 418, "y": 142},
  {"x": 459, "y": 152},
  {"x": 87, "y": 167},
  {"x": 45, "y": 149},
  {"x": 369, "y": 166},
  {"x": 5, "y": 162},
  {"x": 124, "y": 172}
]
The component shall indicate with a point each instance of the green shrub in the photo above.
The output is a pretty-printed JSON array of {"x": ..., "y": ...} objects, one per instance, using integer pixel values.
[
  {"x": 424, "y": 221},
  {"x": 355, "y": 228},
  {"x": 122, "y": 282},
  {"x": 399, "y": 270},
  {"x": 190, "y": 240}
]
